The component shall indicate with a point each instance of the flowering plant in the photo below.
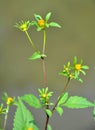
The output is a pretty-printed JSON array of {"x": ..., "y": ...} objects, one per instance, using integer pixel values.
[{"x": 23, "y": 118}]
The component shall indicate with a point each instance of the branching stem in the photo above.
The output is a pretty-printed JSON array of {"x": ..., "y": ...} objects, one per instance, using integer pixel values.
[
  {"x": 61, "y": 94},
  {"x": 47, "y": 119}
]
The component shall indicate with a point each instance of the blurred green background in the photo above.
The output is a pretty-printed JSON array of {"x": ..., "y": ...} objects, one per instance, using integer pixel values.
[{"x": 76, "y": 38}]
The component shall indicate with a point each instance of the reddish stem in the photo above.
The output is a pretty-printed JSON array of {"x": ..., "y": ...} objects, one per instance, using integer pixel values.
[{"x": 44, "y": 72}]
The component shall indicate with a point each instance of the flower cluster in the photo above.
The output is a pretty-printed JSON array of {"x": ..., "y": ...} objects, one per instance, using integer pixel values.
[
  {"x": 45, "y": 96},
  {"x": 73, "y": 71},
  {"x": 39, "y": 22}
]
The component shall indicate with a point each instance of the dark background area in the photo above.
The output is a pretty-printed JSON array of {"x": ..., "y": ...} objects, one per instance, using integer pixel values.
[{"x": 18, "y": 75}]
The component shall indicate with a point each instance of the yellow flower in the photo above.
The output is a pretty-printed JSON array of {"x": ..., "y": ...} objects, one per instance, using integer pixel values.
[
  {"x": 41, "y": 23},
  {"x": 23, "y": 27},
  {"x": 44, "y": 95},
  {"x": 9, "y": 100},
  {"x": 78, "y": 66}
]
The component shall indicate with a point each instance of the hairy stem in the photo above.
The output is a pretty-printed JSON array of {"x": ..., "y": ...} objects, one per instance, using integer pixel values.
[{"x": 31, "y": 42}]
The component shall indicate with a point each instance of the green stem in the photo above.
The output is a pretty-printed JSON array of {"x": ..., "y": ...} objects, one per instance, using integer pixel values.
[
  {"x": 6, "y": 116},
  {"x": 44, "y": 43},
  {"x": 64, "y": 89},
  {"x": 31, "y": 42}
]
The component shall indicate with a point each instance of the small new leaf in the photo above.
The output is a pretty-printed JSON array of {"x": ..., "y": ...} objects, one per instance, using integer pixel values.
[
  {"x": 49, "y": 113},
  {"x": 76, "y": 102},
  {"x": 59, "y": 110},
  {"x": 35, "y": 56}
]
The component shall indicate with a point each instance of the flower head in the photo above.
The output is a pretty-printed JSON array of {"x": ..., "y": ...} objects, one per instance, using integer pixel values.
[
  {"x": 41, "y": 23},
  {"x": 23, "y": 26},
  {"x": 10, "y": 100},
  {"x": 45, "y": 96},
  {"x": 78, "y": 67},
  {"x": 73, "y": 71}
]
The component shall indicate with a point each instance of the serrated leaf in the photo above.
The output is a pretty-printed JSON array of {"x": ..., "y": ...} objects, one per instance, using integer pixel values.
[
  {"x": 48, "y": 16},
  {"x": 49, "y": 127},
  {"x": 49, "y": 113},
  {"x": 23, "y": 118},
  {"x": 59, "y": 110},
  {"x": 53, "y": 24},
  {"x": 36, "y": 55},
  {"x": 76, "y": 102},
  {"x": 31, "y": 100},
  {"x": 63, "y": 99}
]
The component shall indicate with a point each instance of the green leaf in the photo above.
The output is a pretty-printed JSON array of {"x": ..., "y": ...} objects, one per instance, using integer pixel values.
[
  {"x": 23, "y": 118},
  {"x": 31, "y": 100},
  {"x": 59, "y": 110},
  {"x": 36, "y": 55},
  {"x": 49, "y": 113},
  {"x": 48, "y": 16},
  {"x": 78, "y": 102},
  {"x": 63, "y": 99},
  {"x": 53, "y": 24},
  {"x": 49, "y": 127}
]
